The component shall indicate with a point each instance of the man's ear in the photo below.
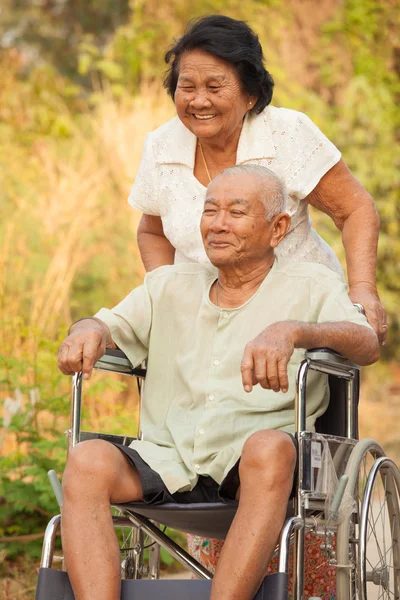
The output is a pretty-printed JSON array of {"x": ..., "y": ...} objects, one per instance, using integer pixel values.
[{"x": 280, "y": 227}]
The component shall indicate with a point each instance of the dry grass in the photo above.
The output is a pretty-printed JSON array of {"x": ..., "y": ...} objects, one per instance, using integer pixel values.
[
  {"x": 65, "y": 216},
  {"x": 81, "y": 188},
  {"x": 18, "y": 580},
  {"x": 380, "y": 407}
]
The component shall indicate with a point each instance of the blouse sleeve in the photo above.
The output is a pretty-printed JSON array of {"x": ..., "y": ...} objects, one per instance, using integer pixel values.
[
  {"x": 313, "y": 154},
  {"x": 144, "y": 193}
]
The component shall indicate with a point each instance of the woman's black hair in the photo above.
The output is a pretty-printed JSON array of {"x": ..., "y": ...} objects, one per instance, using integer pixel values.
[{"x": 230, "y": 40}]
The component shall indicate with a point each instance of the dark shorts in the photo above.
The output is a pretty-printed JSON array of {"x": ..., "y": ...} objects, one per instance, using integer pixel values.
[{"x": 205, "y": 490}]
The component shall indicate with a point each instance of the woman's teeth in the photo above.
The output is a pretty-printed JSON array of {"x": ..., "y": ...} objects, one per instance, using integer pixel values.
[{"x": 204, "y": 117}]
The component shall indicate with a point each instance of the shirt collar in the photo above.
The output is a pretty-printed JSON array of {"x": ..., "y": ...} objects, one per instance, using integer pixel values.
[{"x": 179, "y": 146}]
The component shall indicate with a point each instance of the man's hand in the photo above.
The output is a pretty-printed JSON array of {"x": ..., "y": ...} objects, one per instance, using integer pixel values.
[
  {"x": 367, "y": 295},
  {"x": 85, "y": 344},
  {"x": 266, "y": 357}
]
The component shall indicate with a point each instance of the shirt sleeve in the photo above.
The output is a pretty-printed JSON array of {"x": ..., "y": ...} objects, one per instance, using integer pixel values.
[
  {"x": 337, "y": 306},
  {"x": 312, "y": 155},
  {"x": 144, "y": 193},
  {"x": 130, "y": 323}
]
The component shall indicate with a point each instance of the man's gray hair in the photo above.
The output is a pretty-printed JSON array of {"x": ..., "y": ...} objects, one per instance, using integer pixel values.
[{"x": 273, "y": 190}]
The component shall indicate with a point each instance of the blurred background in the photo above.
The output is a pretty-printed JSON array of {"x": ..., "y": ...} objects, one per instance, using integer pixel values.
[{"x": 80, "y": 87}]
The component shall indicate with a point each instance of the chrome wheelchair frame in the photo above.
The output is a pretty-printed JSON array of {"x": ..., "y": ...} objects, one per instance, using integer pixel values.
[{"x": 360, "y": 466}]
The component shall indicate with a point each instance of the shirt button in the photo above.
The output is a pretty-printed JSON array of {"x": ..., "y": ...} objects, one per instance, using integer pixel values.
[
  {"x": 211, "y": 397},
  {"x": 225, "y": 314},
  {"x": 201, "y": 431},
  {"x": 197, "y": 467},
  {"x": 216, "y": 362}
]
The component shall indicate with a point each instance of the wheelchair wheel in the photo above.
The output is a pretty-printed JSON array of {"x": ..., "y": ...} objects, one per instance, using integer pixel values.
[
  {"x": 139, "y": 555},
  {"x": 379, "y": 563},
  {"x": 360, "y": 462}
]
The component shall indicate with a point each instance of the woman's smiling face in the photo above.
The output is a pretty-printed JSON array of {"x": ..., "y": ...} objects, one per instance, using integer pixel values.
[{"x": 209, "y": 98}]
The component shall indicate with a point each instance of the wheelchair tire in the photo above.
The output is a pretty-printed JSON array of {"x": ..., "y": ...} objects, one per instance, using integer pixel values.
[
  {"x": 379, "y": 563},
  {"x": 361, "y": 459}
]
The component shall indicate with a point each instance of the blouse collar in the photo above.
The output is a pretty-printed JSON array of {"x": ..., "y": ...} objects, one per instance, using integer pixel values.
[{"x": 179, "y": 146}]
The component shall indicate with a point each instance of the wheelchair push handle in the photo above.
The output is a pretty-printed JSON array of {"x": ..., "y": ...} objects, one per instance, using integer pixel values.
[{"x": 56, "y": 485}]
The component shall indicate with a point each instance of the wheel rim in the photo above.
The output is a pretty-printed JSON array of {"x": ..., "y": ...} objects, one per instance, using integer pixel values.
[
  {"x": 361, "y": 460},
  {"x": 380, "y": 533}
]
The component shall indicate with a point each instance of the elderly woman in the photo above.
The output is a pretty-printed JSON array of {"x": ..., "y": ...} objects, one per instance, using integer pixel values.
[{"x": 222, "y": 95}]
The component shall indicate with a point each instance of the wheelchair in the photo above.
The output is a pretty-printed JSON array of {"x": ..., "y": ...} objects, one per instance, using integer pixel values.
[{"x": 348, "y": 494}]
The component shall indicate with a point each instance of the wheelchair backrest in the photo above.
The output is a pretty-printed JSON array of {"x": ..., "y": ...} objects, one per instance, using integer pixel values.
[{"x": 334, "y": 420}]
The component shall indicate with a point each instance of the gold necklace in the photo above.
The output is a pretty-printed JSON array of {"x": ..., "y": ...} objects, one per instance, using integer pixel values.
[{"x": 204, "y": 161}]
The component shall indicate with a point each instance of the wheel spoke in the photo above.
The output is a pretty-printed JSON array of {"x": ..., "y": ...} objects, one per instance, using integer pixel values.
[
  {"x": 384, "y": 477},
  {"x": 379, "y": 514},
  {"x": 374, "y": 481},
  {"x": 388, "y": 549},
  {"x": 377, "y": 544}
]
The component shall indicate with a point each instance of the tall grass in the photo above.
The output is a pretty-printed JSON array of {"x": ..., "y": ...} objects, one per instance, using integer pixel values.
[{"x": 67, "y": 245}]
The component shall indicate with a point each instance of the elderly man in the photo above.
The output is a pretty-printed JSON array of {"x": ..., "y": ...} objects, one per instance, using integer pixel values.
[{"x": 222, "y": 348}]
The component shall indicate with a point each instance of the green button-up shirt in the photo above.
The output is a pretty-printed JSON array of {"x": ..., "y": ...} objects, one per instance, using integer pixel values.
[{"x": 196, "y": 415}]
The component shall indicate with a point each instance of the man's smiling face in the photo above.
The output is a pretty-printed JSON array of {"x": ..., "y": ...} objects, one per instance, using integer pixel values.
[{"x": 233, "y": 224}]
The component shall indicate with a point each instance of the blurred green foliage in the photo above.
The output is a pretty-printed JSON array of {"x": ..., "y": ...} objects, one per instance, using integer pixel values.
[
  {"x": 27, "y": 501},
  {"x": 72, "y": 72}
]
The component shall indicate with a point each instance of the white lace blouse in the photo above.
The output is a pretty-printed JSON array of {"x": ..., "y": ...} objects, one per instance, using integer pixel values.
[{"x": 285, "y": 141}]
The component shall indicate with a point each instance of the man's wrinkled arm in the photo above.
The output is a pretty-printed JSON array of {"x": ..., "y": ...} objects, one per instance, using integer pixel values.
[
  {"x": 266, "y": 358},
  {"x": 355, "y": 342}
]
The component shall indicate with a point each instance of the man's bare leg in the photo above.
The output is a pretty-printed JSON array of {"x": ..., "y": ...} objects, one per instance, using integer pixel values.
[
  {"x": 96, "y": 474},
  {"x": 266, "y": 478}
]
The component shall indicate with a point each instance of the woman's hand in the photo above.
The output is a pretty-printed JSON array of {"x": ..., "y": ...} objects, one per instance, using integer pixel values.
[{"x": 367, "y": 296}]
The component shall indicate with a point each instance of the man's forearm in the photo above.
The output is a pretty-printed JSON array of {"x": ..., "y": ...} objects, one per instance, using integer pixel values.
[{"x": 356, "y": 342}]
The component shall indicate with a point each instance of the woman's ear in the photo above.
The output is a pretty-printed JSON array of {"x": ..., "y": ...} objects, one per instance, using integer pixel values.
[{"x": 280, "y": 228}]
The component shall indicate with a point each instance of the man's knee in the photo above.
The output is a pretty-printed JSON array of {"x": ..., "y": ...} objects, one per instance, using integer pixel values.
[
  {"x": 270, "y": 455},
  {"x": 91, "y": 465}
]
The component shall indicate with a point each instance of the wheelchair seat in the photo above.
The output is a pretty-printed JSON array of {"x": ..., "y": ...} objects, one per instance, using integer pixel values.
[{"x": 209, "y": 520}]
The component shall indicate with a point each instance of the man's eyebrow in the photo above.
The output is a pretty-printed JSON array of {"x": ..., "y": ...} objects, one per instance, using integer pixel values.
[
  {"x": 239, "y": 201},
  {"x": 243, "y": 201}
]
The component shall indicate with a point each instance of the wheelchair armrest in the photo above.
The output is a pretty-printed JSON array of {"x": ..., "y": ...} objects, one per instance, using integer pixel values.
[
  {"x": 113, "y": 361},
  {"x": 330, "y": 362},
  {"x": 117, "y": 362}
]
